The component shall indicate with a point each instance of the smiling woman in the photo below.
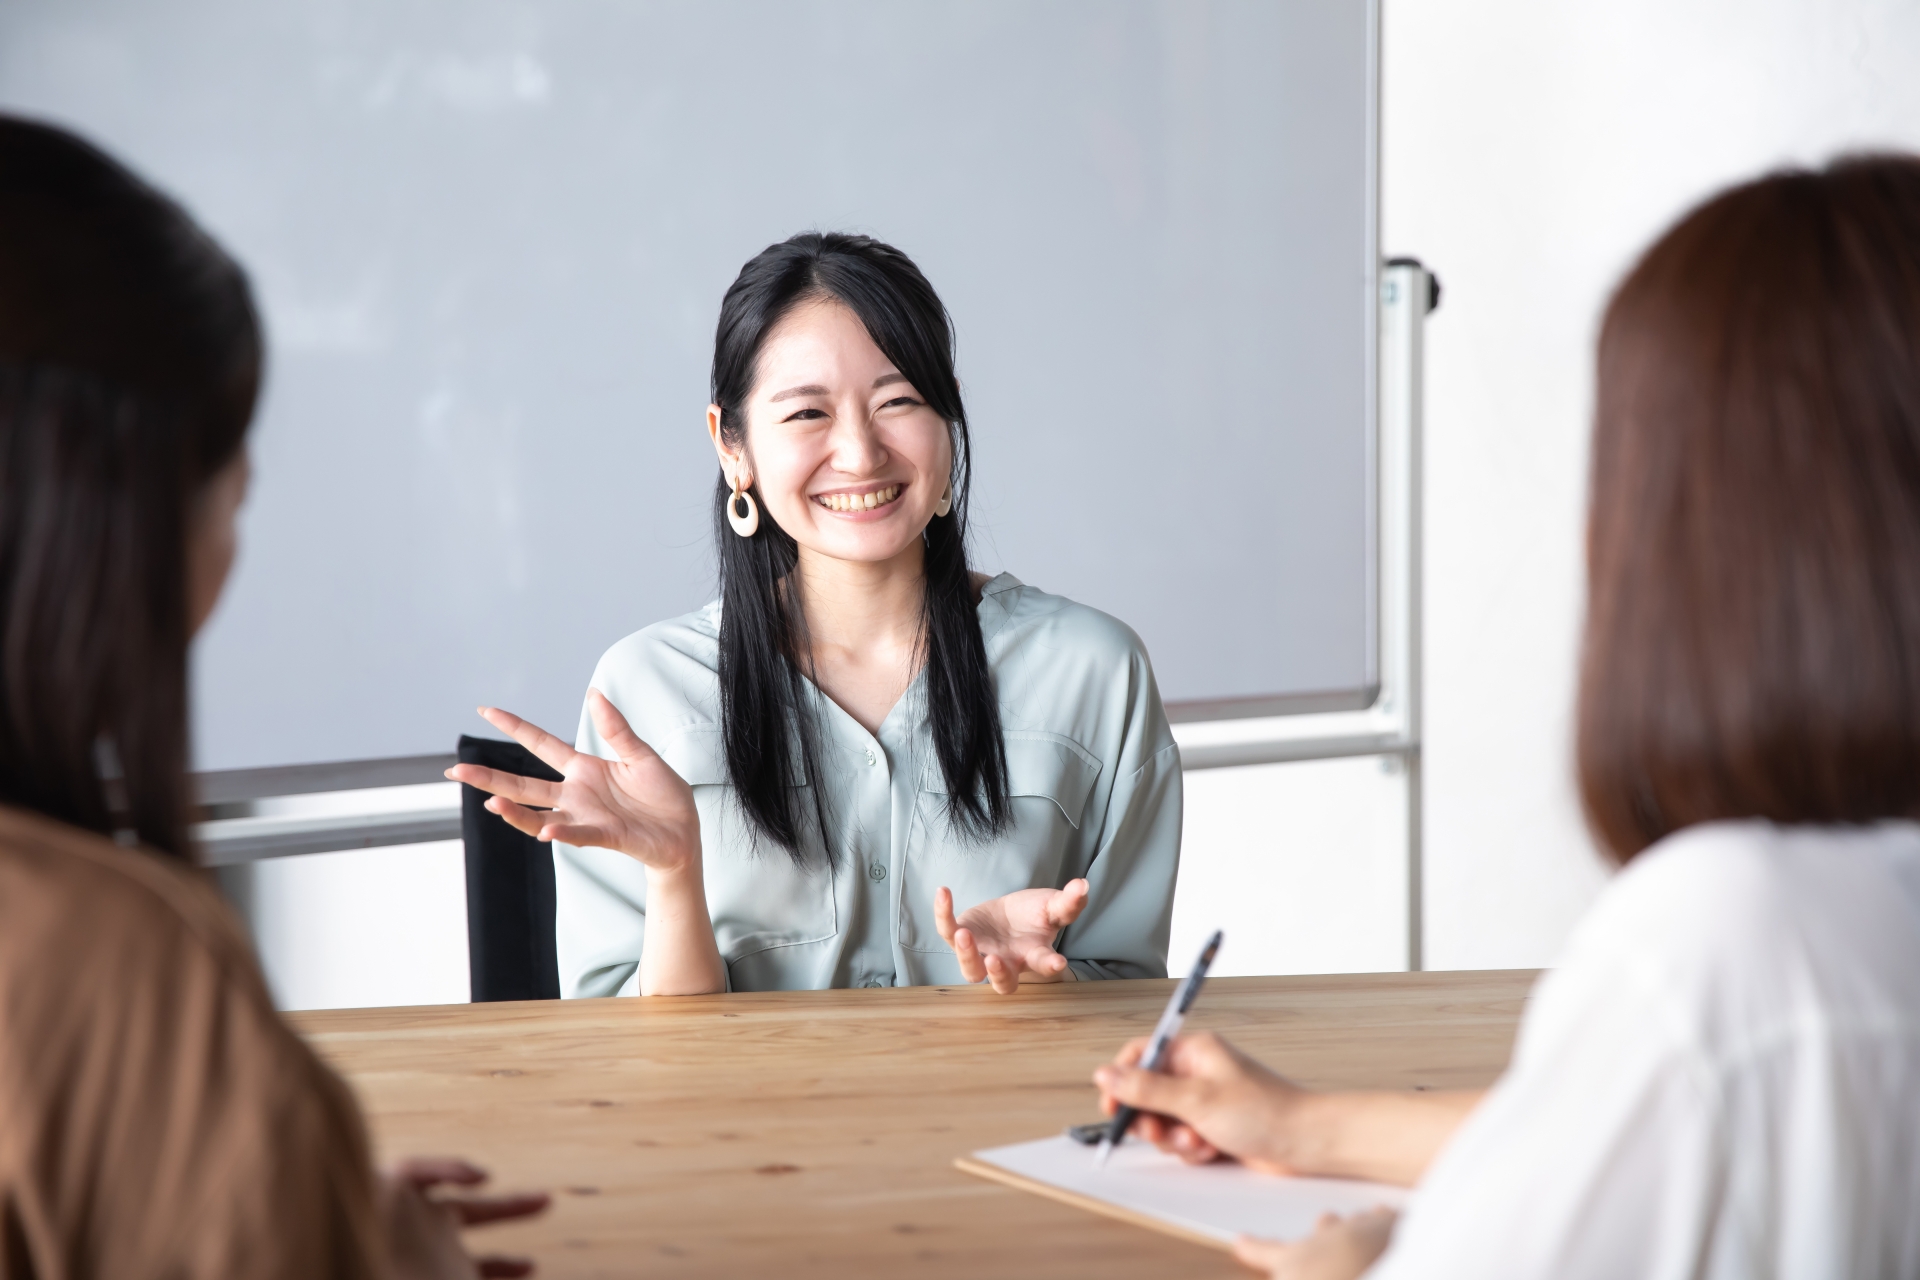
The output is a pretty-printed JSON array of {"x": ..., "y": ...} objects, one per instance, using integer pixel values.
[{"x": 790, "y": 787}]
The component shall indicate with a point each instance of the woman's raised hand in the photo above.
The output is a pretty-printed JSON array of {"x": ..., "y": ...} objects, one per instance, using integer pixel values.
[
  {"x": 1009, "y": 940},
  {"x": 1207, "y": 1100},
  {"x": 634, "y": 804}
]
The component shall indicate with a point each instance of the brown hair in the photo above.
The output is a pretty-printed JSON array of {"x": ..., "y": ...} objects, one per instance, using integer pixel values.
[
  {"x": 1753, "y": 627},
  {"x": 129, "y": 359}
]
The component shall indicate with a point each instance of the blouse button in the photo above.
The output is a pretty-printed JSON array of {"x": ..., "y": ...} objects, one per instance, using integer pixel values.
[
  {"x": 871, "y": 758},
  {"x": 877, "y": 872}
]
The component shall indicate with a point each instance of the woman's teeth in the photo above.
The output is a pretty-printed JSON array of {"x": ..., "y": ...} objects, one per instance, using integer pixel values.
[{"x": 858, "y": 501}]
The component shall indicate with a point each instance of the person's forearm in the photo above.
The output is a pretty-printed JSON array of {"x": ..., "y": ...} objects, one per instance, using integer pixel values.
[
  {"x": 1383, "y": 1137},
  {"x": 680, "y": 956}
]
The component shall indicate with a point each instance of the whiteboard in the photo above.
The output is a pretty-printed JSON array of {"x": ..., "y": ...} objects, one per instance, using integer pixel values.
[{"x": 490, "y": 239}]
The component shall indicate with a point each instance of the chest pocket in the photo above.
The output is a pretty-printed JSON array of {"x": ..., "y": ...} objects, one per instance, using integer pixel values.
[
  {"x": 757, "y": 897},
  {"x": 1050, "y": 778}
]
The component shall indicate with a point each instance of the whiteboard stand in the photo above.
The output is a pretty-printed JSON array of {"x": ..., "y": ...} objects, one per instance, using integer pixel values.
[{"x": 1390, "y": 727}]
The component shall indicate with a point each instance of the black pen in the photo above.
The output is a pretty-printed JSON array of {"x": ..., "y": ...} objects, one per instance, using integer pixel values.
[{"x": 1183, "y": 997}]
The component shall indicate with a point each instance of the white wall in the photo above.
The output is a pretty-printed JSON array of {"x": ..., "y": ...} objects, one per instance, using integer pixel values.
[
  {"x": 1322, "y": 889},
  {"x": 1530, "y": 150},
  {"x": 363, "y": 927}
]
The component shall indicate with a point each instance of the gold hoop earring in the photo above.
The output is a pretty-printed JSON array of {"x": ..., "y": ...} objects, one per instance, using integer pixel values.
[
  {"x": 945, "y": 504},
  {"x": 744, "y": 523}
]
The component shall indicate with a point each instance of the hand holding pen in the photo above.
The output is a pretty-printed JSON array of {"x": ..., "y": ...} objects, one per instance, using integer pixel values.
[
  {"x": 1197, "y": 1096},
  {"x": 1163, "y": 1034},
  {"x": 1208, "y": 1100}
]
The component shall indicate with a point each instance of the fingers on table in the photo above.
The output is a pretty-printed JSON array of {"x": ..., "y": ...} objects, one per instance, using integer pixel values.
[
  {"x": 1002, "y": 975},
  {"x": 537, "y": 792},
  {"x": 427, "y": 1171},
  {"x": 973, "y": 967},
  {"x": 499, "y": 1264},
  {"x": 476, "y": 1211},
  {"x": 552, "y": 751}
]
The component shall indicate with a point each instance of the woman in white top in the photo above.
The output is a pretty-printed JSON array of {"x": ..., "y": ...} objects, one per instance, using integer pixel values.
[
  {"x": 790, "y": 787},
  {"x": 1721, "y": 1077}
]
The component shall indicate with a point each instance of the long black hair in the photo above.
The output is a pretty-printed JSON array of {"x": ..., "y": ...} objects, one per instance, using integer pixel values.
[
  {"x": 130, "y": 357},
  {"x": 766, "y": 696}
]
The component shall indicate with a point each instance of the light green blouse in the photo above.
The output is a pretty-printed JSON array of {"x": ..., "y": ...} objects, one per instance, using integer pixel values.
[{"x": 1095, "y": 785}]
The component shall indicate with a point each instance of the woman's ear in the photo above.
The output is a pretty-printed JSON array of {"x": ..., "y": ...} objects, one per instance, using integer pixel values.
[
  {"x": 730, "y": 461},
  {"x": 213, "y": 537}
]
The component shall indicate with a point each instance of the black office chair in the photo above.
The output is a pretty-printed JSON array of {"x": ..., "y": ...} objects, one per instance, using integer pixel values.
[{"x": 510, "y": 952}]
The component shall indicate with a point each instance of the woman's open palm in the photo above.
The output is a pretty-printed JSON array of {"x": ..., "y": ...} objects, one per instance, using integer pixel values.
[
  {"x": 634, "y": 804},
  {"x": 1009, "y": 939}
]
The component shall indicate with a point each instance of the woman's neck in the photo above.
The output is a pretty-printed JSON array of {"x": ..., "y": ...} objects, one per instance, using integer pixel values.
[{"x": 863, "y": 620}]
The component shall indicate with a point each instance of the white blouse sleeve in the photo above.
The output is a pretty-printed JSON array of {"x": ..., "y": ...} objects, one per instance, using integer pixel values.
[
  {"x": 1716, "y": 1082},
  {"x": 1595, "y": 1156}
]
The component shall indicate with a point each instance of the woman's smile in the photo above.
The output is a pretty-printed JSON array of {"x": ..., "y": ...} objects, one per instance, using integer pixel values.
[{"x": 860, "y": 501}]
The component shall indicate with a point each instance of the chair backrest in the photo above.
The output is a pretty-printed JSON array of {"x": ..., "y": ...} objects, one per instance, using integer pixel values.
[{"x": 510, "y": 953}]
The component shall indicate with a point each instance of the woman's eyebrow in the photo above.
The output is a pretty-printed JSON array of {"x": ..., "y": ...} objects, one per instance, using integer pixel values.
[
  {"x": 888, "y": 379},
  {"x": 791, "y": 392}
]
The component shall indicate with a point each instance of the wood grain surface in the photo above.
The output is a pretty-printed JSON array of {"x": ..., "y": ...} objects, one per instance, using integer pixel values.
[{"x": 812, "y": 1133}]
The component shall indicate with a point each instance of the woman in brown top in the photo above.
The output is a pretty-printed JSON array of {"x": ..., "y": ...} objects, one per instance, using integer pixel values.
[{"x": 157, "y": 1118}]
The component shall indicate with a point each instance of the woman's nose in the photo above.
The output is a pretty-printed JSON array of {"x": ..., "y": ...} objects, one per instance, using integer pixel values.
[{"x": 856, "y": 446}]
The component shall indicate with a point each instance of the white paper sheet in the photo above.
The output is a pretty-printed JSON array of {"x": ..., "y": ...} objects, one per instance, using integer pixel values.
[{"x": 1220, "y": 1200}]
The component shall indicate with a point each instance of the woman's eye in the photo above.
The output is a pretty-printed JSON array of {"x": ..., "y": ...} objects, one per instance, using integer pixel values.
[
  {"x": 899, "y": 400},
  {"x": 803, "y": 415}
]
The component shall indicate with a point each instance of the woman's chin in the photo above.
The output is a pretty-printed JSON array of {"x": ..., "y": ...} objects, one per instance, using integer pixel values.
[{"x": 867, "y": 542}]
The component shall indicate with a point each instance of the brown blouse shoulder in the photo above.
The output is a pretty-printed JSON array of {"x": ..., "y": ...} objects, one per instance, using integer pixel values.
[{"x": 157, "y": 1117}]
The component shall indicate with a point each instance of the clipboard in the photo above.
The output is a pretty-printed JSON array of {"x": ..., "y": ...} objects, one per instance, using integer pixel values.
[{"x": 1208, "y": 1205}]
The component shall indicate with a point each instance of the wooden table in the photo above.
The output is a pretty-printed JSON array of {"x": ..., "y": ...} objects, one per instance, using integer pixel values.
[{"x": 812, "y": 1133}]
